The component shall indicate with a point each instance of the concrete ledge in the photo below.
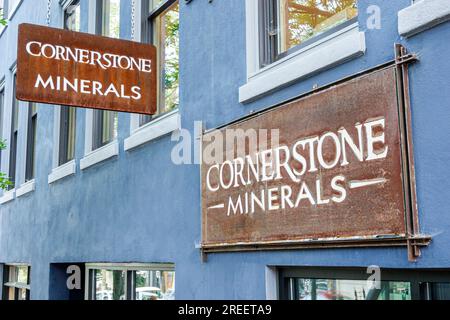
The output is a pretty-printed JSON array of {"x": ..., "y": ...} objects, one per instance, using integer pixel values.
[
  {"x": 8, "y": 196},
  {"x": 26, "y": 188},
  {"x": 326, "y": 53},
  {"x": 99, "y": 155},
  {"x": 422, "y": 16},
  {"x": 161, "y": 126},
  {"x": 63, "y": 171}
]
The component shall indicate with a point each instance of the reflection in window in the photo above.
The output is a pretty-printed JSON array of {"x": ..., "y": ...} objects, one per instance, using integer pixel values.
[
  {"x": 289, "y": 23},
  {"x": 164, "y": 24},
  {"x": 322, "y": 289},
  {"x": 155, "y": 285},
  {"x": 17, "y": 285},
  {"x": 72, "y": 16},
  {"x": 109, "y": 285}
]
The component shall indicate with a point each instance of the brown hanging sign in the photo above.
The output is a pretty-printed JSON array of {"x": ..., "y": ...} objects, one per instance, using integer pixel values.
[{"x": 63, "y": 67}]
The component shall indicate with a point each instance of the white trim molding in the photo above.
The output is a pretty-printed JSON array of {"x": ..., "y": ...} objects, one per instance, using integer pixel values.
[
  {"x": 26, "y": 188},
  {"x": 99, "y": 155},
  {"x": 161, "y": 126},
  {"x": 337, "y": 48},
  {"x": 422, "y": 15},
  {"x": 67, "y": 169},
  {"x": 8, "y": 196},
  {"x": 325, "y": 53}
]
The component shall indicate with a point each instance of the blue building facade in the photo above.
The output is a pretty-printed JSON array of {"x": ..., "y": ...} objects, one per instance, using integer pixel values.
[{"x": 127, "y": 205}]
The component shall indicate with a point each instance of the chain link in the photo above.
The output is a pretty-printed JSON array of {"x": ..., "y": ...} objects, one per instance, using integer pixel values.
[
  {"x": 49, "y": 5},
  {"x": 133, "y": 19}
]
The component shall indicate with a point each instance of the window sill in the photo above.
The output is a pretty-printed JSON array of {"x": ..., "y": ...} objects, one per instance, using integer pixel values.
[
  {"x": 323, "y": 54},
  {"x": 63, "y": 171},
  {"x": 8, "y": 196},
  {"x": 422, "y": 16},
  {"x": 153, "y": 130},
  {"x": 26, "y": 188},
  {"x": 100, "y": 155}
]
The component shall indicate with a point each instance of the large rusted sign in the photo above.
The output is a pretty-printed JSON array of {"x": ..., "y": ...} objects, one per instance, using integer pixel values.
[
  {"x": 57, "y": 66},
  {"x": 330, "y": 170}
]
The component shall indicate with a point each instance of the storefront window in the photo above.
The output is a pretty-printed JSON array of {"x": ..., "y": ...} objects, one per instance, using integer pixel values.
[
  {"x": 287, "y": 24},
  {"x": 109, "y": 285},
  {"x": 155, "y": 285},
  {"x": 131, "y": 282},
  {"x": 17, "y": 285},
  {"x": 163, "y": 26},
  {"x": 321, "y": 289}
]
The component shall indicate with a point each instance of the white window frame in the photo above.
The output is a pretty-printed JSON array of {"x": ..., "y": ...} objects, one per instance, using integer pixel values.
[
  {"x": 68, "y": 169},
  {"x": 162, "y": 125},
  {"x": 422, "y": 15},
  {"x": 92, "y": 157},
  {"x": 337, "y": 48}
]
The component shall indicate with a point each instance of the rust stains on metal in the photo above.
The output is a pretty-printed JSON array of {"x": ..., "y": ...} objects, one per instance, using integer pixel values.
[{"x": 70, "y": 68}]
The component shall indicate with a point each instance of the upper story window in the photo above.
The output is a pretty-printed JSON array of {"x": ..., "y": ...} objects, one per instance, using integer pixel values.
[
  {"x": 16, "y": 282},
  {"x": 30, "y": 168},
  {"x": 163, "y": 24},
  {"x": 105, "y": 123},
  {"x": 67, "y": 121},
  {"x": 288, "y": 25},
  {"x": 14, "y": 137}
]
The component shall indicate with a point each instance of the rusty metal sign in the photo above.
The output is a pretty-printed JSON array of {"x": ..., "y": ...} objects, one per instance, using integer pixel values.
[
  {"x": 63, "y": 67},
  {"x": 329, "y": 172}
]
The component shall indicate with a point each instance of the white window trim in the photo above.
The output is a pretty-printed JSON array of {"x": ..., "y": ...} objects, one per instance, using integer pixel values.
[
  {"x": 8, "y": 196},
  {"x": 422, "y": 15},
  {"x": 69, "y": 168},
  {"x": 14, "y": 10},
  {"x": 159, "y": 127},
  {"x": 63, "y": 171},
  {"x": 99, "y": 155},
  {"x": 26, "y": 188},
  {"x": 337, "y": 48}
]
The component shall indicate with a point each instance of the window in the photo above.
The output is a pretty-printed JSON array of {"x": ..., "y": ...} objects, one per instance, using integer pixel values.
[
  {"x": 131, "y": 282},
  {"x": 105, "y": 123},
  {"x": 163, "y": 32},
  {"x": 14, "y": 136},
  {"x": 67, "y": 121},
  {"x": 17, "y": 282},
  {"x": 30, "y": 168},
  {"x": 2, "y": 106},
  {"x": 352, "y": 284},
  {"x": 286, "y": 25}
]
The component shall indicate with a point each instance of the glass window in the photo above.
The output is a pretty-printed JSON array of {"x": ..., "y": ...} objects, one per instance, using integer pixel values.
[
  {"x": 106, "y": 122},
  {"x": 163, "y": 26},
  {"x": 109, "y": 285},
  {"x": 122, "y": 282},
  {"x": 67, "y": 121},
  {"x": 30, "y": 168},
  {"x": 2, "y": 106},
  {"x": 325, "y": 289},
  {"x": 435, "y": 291},
  {"x": 14, "y": 137},
  {"x": 155, "y": 285},
  {"x": 17, "y": 282},
  {"x": 287, "y": 24}
]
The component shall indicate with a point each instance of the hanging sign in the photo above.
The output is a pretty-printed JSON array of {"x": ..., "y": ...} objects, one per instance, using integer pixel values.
[
  {"x": 328, "y": 171},
  {"x": 63, "y": 67}
]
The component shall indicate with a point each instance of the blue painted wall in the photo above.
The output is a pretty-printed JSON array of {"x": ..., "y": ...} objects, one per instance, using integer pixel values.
[{"x": 139, "y": 207}]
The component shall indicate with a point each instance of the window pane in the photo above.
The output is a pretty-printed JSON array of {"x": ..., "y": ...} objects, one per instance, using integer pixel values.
[
  {"x": 321, "y": 289},
  {"x": 155, "y": 285},
  {"x": 300, "y": 20},
  {"x": 72, "y": 17},
  {"x": 167, "y": 29},
  {"x": 109, "y": 285},
  {"x": 22, "y": 274},
  {"x": 111, "y": 18},
  {"x": 153, "y": 4}
]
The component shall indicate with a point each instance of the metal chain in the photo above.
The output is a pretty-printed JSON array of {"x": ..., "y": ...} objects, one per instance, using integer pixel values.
[
  {"x": 133, "y": 20},
  {"x": 49, "y": 5}
]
